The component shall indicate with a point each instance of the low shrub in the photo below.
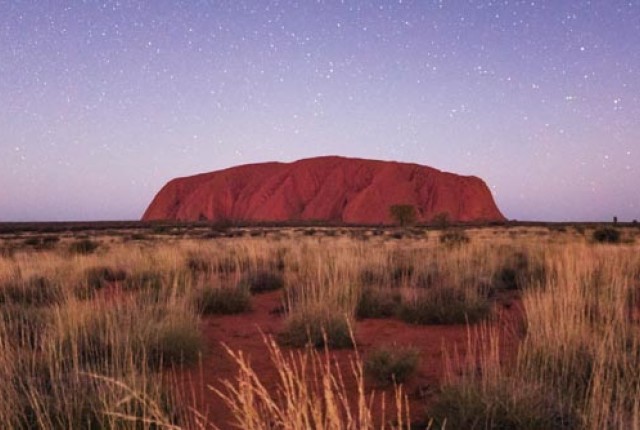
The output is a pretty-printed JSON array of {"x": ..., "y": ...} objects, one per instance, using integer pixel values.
[
  {"x": 138, "y": 237},
  {"x": 261, "y": 282},
  {"x": 444, "y": 306},
  {"x": 517, "y": 273},
  {"x": 83, "y": 246},
  {"x": 317, "y": 328},
  {"x": 454, "y": 237},
  {"x": 391, "y": 364},
  {"x": 606, "y": 235},
  {"x": 377, "y": 303},
  {"x": 502, "y": 405},
  {"x": 174, "y": 342},
  {"x": 223, "y": 301}
]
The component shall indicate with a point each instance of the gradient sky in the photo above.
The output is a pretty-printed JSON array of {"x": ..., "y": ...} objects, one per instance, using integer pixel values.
[{"x": 102, "y": 102}]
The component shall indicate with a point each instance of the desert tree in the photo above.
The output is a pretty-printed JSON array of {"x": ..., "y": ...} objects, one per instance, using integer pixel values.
[{"x": 403, "y": 214}]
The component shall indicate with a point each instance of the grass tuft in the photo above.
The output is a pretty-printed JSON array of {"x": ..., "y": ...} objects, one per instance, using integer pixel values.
[
  {"x": 391, "y": 364},
  {"x": 377, "y": 303},
  {"x": 444, "y": 306},
  {"x": 262, "y": 282},
  {"x": 317, "y": 328},
  {"x": 83, "y": 246},
  {"x": 223, "y": 300}
]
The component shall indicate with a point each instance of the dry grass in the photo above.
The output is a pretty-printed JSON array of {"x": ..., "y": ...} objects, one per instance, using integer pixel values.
[
  {"x": 108, "y": 322},
  {"x": 311, "y": 393}
]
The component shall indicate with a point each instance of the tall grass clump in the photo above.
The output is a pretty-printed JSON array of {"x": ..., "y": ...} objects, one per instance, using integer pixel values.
[
  {"x": 391, "y": 364},
  {"x": 220, "y": 300},
  {"x": 606, "y": 235},
  {"x": 83, "y": 246},
  {"x": 444, "y": 306},
  {"x": 262, "y": 281},
  {"x": 317, "y": 327},
  {"x": 310, "y": 393},
  {"x": 481, "y": 392},
  {"x": 91, "y": 366}
]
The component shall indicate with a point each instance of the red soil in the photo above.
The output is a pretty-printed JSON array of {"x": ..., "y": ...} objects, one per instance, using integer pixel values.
[
  {"x": 244, "y": 332},
  {"x": 333, "y": 189}
]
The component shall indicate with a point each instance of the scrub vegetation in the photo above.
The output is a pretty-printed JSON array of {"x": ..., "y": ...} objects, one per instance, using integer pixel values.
[{"x": 96, "y": 328}]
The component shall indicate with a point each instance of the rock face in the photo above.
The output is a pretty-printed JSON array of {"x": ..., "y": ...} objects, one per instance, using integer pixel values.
[{"x": 333, "y": 189}]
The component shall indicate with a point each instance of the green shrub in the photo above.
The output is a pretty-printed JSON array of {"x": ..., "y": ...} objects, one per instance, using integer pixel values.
[
  {"x": 377, "y": 303},
  {"x": 403, "y": 214},
  {"x": 83, "y": 246},
  {"x": 444, "y": 306},
  {"x": 262, "y": 282},
  {"x": 507, "y": 405},
  {"x": 224, "y": 301},
  {"x": 174, "y": 343},
  {"x": 391, "y": 364},
  {"x": 318, "y": 328},
  {"x": 606, "y": 235}
]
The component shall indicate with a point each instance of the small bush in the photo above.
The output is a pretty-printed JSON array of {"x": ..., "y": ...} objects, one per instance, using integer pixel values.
[
  {"x": 83, "y": 246},
  {"x": 377, "y": 303},
  {"x": 518, "y": 272},
  {"x": 262, "y": 282},
  {"x": 454, "y": 238},
  {"x": 174, "y": 343},
  {"x": 31, "y": 241},
  {"x": 444, "y": 306},
  {"x": 224, "y": 301},
  {"x": 391, "y": 364},
  {"x": 504, "y": 405},
  {"x": 317, "y": 328},
  {"x": 606, "y": 235}
]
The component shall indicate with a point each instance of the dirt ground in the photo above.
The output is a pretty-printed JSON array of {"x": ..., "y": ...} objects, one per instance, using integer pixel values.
[{"x": 246, "y": 332}]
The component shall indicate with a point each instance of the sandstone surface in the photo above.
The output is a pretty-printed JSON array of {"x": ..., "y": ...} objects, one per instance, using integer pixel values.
[{"x": 331, "y": 189}]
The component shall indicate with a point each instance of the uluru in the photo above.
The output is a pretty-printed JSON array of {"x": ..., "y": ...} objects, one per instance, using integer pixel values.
[{"x": 329, "y": 189}]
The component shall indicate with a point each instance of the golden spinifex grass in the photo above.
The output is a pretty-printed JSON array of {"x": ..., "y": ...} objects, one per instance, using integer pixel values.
[
  {"x": 86, "y": 337},
  {"x": 310, "y": 393}
]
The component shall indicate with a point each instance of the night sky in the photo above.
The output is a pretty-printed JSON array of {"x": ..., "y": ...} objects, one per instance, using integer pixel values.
[{"x": 102, "y": 102}]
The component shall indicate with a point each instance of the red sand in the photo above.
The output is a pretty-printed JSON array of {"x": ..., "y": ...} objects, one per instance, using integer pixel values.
[
  {"x": 243, "y": 332},
  {"x": 333, "y": 189}
]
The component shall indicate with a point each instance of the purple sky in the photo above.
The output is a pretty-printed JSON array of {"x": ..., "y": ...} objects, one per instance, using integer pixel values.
[{"x": 102, "y": 102}]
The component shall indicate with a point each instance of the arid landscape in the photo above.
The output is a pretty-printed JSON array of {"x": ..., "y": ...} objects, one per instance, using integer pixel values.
[{"x": 197, "y": 326}]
